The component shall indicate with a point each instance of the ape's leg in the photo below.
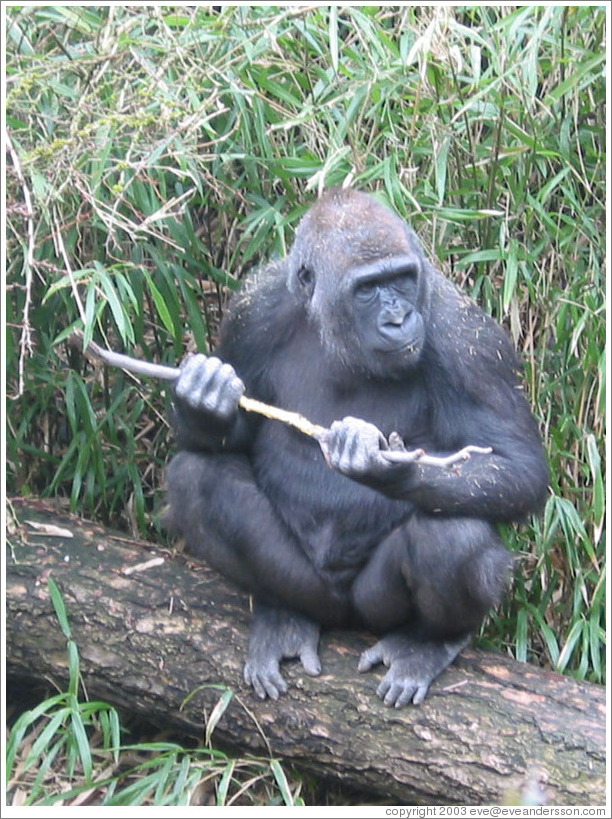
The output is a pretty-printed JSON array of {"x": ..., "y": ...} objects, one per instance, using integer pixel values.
[
  {"x": 429, "y": 584},
  {"x": 216, "y": 505}
]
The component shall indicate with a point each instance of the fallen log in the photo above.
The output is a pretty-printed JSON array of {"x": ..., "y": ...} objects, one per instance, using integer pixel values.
[{"x": 158, "y": 634}]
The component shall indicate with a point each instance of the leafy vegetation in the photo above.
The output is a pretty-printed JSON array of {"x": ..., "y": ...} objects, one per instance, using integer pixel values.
[{"x": 157, "y": 154}]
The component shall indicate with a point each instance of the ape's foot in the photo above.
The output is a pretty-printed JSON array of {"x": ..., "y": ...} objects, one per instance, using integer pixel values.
[
  {"x": 413, "y": 664},
  {"x": 278, "y": 634}
]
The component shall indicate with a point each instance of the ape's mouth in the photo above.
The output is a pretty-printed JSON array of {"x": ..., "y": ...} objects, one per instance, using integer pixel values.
[{"x": 409, "y": 348}]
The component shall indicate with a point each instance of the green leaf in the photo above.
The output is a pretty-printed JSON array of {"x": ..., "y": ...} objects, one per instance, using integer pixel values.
[
  {"x": 160, "y": 304},
  {"x": 216, "y": 714},
  {"x": 59, "y": 606},
  {"x": 575, "y": 77},
  {"x": 281, "y": 781},
  {"x": 333, "y": 37}
]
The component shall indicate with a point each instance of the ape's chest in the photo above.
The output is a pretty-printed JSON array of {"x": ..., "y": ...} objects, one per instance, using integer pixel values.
[{"x": 392, "y": 406}]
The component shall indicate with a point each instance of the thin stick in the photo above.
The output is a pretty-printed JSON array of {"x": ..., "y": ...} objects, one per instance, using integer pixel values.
[
  {"x": 26, "y": 347},
  {"x": 294, "y": 419},
  {"x": 135, "y": 365},
  {"x": 125, "y": 362},
  {"x": 396, "y": 454},
  {"x": 432, "y": 460}
]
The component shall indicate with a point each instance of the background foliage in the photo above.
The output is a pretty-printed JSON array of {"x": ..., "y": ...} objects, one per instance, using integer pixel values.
[{"x": 156, "y": 154}]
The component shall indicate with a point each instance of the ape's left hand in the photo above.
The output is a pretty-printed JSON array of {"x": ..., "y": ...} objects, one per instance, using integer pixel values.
[{"x": 354, "y": 447}]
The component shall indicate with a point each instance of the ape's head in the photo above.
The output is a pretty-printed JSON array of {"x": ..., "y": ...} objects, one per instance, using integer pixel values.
[{"x": 361, "y": 274}]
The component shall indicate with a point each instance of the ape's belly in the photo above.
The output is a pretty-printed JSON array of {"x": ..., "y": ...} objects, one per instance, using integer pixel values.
[{"x": 337, "y": 521}]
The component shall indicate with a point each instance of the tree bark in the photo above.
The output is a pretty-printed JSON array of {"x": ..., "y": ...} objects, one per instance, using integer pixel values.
[{"x": 160, "y": 638}]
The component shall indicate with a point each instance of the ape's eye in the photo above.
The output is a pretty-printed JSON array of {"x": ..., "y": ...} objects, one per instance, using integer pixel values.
[
  {"x": 404, "y": 284},
  {"x": 366, "y": 291},
  {"x": 305, "y": 276}
]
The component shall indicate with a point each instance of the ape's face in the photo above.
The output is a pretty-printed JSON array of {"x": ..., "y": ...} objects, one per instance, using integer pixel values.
[
  {"x": 386, "y": 312},
  {"x": 361, "y": 273}
]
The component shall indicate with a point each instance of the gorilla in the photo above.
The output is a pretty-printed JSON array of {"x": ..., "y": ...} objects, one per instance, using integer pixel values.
[{"x": 358, "y": 332}]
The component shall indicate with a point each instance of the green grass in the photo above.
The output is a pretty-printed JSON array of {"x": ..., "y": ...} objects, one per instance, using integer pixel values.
[{"x": 159, "y": 154}]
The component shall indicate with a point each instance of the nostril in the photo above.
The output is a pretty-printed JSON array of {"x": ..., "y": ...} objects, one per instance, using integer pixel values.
[{"x": 394, "y": 318}]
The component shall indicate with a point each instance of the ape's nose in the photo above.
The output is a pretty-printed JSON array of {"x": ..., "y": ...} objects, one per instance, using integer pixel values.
[{"x": 393, "y": 314}]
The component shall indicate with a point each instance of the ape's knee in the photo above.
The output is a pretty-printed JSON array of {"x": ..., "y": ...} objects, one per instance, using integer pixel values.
[
  {"x": 486, "y": 575},
  {"x": 185, "y": 476},
  {"x": 197, "y": 485},
  {"x": 380, "y": 596},
  {"x": 382, "y": 608},
  {"x": 458, "y": 573},
  {"x": 202, "y": 475},
  {"x": 184, "y": 471}
]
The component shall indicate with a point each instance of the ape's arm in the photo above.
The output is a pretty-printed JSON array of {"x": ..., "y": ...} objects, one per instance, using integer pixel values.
[
  {"x": 505, "y": 483},
  {"x": 206, "y": 384},
  {"x": 498, "y": 487},
  {"x": 469, "y": 372}
]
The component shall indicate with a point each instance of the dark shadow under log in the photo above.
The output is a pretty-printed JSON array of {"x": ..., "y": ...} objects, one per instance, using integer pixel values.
[{"x": 151, "y": 634}]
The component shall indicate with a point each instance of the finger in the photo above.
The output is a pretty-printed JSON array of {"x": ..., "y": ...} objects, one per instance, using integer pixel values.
[
  {"x": 393, "y": 693},
  {"x": 225, "y": 393},
  {"x": 224, "y": 377},
  {"x": 254, "y": 681},
  {"x": 335, "y": 440},
  {"x": 268, "y": 683},
  {"x": 196, "y": 383},
  {"x": 190, "y": 375},
  {"x": 274, "y": 684},
  {"x": 370, "y": 657},
  {"x": 420, "y": 694},
  {"x": 192, "y": 362},
  {"x": 310, "y": 661},
  {"x": 383, "y": 689}
]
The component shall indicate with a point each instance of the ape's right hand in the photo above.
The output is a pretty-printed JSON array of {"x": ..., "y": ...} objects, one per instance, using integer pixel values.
[{"x": 206, "y": 384}]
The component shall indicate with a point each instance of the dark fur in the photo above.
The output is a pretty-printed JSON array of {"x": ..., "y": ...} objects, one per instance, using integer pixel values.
[{"x": 410, "y": 549}]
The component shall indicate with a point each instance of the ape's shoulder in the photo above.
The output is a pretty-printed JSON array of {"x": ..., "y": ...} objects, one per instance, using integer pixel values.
[
  {"x": 260, "y": 318},
  {"x": 465, "y": 342}
]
